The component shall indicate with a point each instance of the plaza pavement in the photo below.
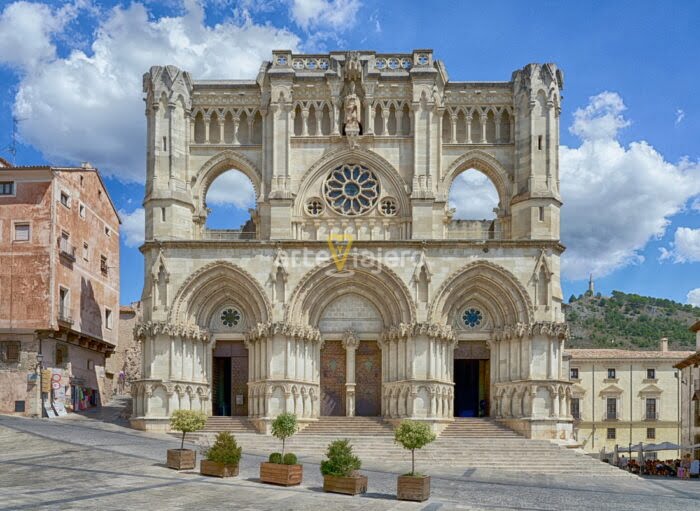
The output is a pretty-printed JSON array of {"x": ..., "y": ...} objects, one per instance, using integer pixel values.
[{"x": 78, "y": 463}]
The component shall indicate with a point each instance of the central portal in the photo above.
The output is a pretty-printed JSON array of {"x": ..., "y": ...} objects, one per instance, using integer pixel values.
[
  {"x": 471, "y": 377},
  {"x": 368, "y": 379}
]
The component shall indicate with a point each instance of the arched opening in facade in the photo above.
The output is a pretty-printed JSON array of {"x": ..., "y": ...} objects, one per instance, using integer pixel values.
[
  {"x": 473, "y": 207},
  {"x": 230, "y": 206}
]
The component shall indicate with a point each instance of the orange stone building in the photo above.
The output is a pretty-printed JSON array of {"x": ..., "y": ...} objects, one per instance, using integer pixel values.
[{"x": 59, "y": 287}]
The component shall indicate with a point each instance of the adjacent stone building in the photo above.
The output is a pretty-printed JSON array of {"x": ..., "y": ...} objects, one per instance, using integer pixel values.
[
  {"x": 125, "y": 363},
  {"x": 625, "y": 397},
  {"x": 59, "y": 286},
  {"x": 353, "y": 289},
  {"x": 690, "y": 396}
]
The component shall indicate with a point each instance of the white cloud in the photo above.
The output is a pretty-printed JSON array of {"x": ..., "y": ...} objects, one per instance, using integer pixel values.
[
  {"x": 693, "y": 297},
  {"x": 88, "y": 106},
  {"x": 338, "y": 15},
  {"x": 685, "y": 246},
  {"x": 615, "y": 198},
  {"x": 231, "y": 188},
  {"x": 680, "y": 115},
  {"x": 473, "y": 196},
  {"x": 695, "y": 205},
  {"x": 132, "y": 228}
]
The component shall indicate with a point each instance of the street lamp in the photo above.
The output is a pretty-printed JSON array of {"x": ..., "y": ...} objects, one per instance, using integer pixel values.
[{"x": 40, "y": 367}]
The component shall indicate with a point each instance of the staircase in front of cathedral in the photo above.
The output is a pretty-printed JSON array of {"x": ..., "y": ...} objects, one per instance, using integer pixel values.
[{"x": 481, "y": 445}]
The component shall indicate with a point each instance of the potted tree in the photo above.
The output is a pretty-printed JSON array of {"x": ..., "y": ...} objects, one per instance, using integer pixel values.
[
  {"x": 222, "y": 458},
  {"x": 186, "y": 421},
  {"x": 282, "y": 468},
  {"x": 340, "y": 470},
  {"x": 413, "y": 435}
]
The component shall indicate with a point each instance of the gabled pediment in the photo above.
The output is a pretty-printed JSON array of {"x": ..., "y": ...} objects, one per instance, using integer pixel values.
[
  {"x": 578, "y": 390},
  {"x": 651, "y": 389},
  {"x": 612, "y": 389}
]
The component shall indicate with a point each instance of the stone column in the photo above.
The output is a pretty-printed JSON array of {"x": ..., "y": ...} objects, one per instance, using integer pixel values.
[
  {"x": 305, "y": 122},
  {"x": 207, "y": 126},
  {"x": 385, "y": 121},
  {"x": 453, "y": 137},
  {"x": 498, "y": 127},
  {"x": 369, "y": 117},
  {"x": 221, "y": 120},
  {"x": 350, "y": 343},
  {"x": 484, "y": 119},
  {"x": 335, "y": 117},
  {"x": 469, "y": 128}
]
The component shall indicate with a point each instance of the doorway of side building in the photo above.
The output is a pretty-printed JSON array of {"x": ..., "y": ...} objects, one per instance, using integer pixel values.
[
  {"x": 471, "y": 379},
  {"x": 230, "y": 379}
]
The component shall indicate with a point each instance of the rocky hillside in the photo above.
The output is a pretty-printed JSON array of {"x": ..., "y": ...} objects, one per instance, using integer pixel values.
[{"x": 627, "y": 321}]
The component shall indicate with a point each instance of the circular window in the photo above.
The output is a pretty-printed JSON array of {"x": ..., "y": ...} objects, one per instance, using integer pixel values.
[
  {"x": 314, "y": 207},
  {"x": 394, "y": 63},
  {"x": 281, "y": 60},
  {"x": 323, "y": 64},
  {"x": 472, "y": 318},
  {"x": 406, "y": 63},
  {"x": 388, "y": 206},
  {"x": 311, "y": 64},
  {"x": 380, "y": 64},
  {"x": 298, "y": 64},
  {"x": 351, "y": 189},
  {"x": 422, "y": 59},
  {"x": 230, "y": 317}
]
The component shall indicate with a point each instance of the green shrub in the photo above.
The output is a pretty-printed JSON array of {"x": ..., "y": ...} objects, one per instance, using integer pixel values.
[
  {"x": 187, "y": 421},
  {"x": 284, "y": 426},
  {"x": 413, "y": 435},
  {"x": 275, "y": 457},
  {"x": 341, "y": 462},
  {"x": 290, "y": 459},
  {"x": 225, "y": 450}
]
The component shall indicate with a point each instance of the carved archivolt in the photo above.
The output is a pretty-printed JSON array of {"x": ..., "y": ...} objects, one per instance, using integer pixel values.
[
  {"x": 507, "y": 299},
  {"x": 151, "y": 329},
  {"x": 215, "y": 284},
  {"x": 370, "y": 278}
]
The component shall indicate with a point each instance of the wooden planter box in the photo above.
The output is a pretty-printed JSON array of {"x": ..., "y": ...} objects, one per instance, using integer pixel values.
[
  {"x": 352, "y": 485},
  {"x": 212, "y": 468},
  {"x": 182, "y": 459},
  {"x": 413, "y": 488},
  {"x": 285, "y": 475}
]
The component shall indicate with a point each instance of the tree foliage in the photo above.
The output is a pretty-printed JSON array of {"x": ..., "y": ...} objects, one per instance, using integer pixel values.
[
  {"x": 224, "y": 450},
  {"x": 187, "y": 421},
  {"x": 284, "y": 426},
  {"x": 341, "y": 461},
  {"x": 413, "y": 435}
]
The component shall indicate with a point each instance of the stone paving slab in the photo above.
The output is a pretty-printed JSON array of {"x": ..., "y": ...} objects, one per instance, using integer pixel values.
[{"x": 84, "y": 464}]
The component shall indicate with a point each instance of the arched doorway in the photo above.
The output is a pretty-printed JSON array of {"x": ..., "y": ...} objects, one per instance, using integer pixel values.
[{"x": 230, "y": 379}]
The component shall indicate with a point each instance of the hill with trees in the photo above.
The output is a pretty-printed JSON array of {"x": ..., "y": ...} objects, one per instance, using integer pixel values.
[{"x": 629, "y": 321}]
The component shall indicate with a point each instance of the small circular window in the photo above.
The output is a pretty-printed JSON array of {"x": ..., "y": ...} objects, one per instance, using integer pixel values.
[
  {"x": 472, "y": 318},
  {"x": 388, "y": 206},
  {"x": 314, "y": 207},
  {"x": 230, "y": 317}
]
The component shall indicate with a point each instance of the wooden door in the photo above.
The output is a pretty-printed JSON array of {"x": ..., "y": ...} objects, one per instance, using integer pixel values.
[
  {"x": 368, "y": 379},
  {"x": 333, "y": 378}
]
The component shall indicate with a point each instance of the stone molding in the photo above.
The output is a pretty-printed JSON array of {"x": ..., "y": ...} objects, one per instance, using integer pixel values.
[
  {"x": 148, "y": 329},
  {"x": 406, "y": 330},
  {"x": 269, "y": 329},
  {"x": 559, "y": 330}
]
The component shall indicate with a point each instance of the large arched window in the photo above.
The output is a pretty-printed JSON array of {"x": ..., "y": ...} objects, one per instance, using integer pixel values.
[
  {"x": 230, "y": 202},
  {"x": 473, "y": 203}
]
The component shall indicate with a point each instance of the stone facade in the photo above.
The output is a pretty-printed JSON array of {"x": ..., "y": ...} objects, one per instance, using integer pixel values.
[
  {"x": 352, "y": 244},
  {"x": 126, "y": 358},
  {"x": 59, "y": 282},
  {"x": 690, "y": 396},
  {"x": 625, "y": 397}
]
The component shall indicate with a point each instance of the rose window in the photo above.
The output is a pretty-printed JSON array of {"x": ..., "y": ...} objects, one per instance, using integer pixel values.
[
  {"x": 230, "y": 317},
  {"x": 388, "y": 206},
  {"x": 314, "y": 207},
  {"x": 472, "y": 318},
  {"x": 394, "y": 63},
  {"x": 351, "y": 189}
]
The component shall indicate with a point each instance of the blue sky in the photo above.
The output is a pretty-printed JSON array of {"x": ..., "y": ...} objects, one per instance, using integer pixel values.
[{"x": 70, "y": 71}]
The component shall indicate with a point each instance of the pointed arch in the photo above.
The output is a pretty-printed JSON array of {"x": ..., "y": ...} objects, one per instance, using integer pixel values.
[
  {"x": 217, "y": 165},
  {"x": 489, "y": 166},
  {"x": 370, "y": 279},
  {"x": 215, "y": 285},
  {"x": 495, "y": 288}
]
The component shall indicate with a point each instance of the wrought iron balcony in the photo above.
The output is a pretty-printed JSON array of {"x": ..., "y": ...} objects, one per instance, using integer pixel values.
[
  {"x": 66, "y": 250},
  {"x": 65, "y": 317}
]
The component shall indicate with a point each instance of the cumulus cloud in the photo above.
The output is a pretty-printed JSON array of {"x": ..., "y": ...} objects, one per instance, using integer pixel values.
[
  {"x": 338, "y": 15},
  {"x": 473, "y": 196},
  {"x": 232, "y": 188},
  {"x": 132, "y": 228},
  {"x": 616, "y": 198},
  {"x": 685, "y": 246},
  {"x": 88, "y": 107},
  {"x": 693, "y": 297}
]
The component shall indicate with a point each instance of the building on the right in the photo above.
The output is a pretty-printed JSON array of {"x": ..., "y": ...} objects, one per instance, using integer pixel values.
[
  {"x": 690, "y": 395},
  {"x": 625, "y": 397}
]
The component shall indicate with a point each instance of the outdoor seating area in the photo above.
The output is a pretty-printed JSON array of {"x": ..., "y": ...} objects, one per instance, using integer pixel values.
[{"x": 648, "y": 463}]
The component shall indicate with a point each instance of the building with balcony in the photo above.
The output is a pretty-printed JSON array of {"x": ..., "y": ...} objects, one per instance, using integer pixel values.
[
  {"x": 625, "y": 397},
  {"x": 690, "y": 395},
  {"x": 354, "y": 288},
  {"x": 59, "y": 287}
]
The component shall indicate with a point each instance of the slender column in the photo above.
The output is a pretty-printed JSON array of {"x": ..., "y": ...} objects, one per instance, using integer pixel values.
[
  {"x": 236, "y": 125},
  {"x": 251, "y": 121},
  {"x": 555, "y": 404},
  {"x": 305, "y": 122},
  {"x": 483, "y": 118},
  {"x": 453, "y": 134},
  {"x": 221, "y": 130},
  {"x": 399, "y": 121},
  {"x": 350, "y": 343},
  {"x": 498, "y": 127},
  {"x": 335, "y": 118},
  {"x": 560, "y": 369},
  {"x": 319, "y": 117},
  {"x": 207, "y": 123},
  {"x": 469, "y": 128},
  {"x": 550, "y": 359},
  {"x": 385, "y": 121},
  {"x": 369, "y": 117}
]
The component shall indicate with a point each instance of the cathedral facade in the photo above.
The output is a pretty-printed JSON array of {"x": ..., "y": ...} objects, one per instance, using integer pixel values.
[{"x": 352, "y": 289}]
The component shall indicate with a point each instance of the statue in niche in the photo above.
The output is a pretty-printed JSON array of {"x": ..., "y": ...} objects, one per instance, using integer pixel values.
[{"x": 351, "y": 108}]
